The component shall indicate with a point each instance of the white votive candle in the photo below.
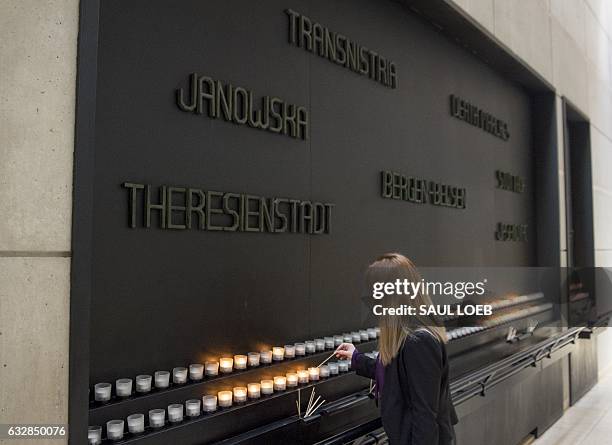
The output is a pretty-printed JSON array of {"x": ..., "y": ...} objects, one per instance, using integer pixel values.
[
  {"x": 135, "y": 423},
  {"x": 292, "y": 379},
  {"x": 356, "y": 337},
  {"x": 196, "y": 371},
  {"x": 102, "y": 392},
  {"x": 212, "y": 368},
  {"x": 343, "y": 366},
  {"x": 280, "y": 383},
  {"x": 329, "y": 342},
  {"x": 175, "y": 412},
  {"x": 338, "y": 339},
  {"x": 157, "y": 418},
  {"x": 179, "y": 375},
  {"x": 347, "y": 337},
  {"x": 240, "y": 362},
  {"x": 310, "y": 347},
  {"x": 371, "y": 333},
  {"x": 313, "y": 374},
  {"x": 254, "y": 390},
  {"x": 225, "y": 398},
  {"x": 94, "y": 435},
  {"x": 240, "y": 394},
  {"x": 364, "y": 335},
  {"x": 324, "y": 371},
  {"x": 289, "y": 351},
  {"x": 302, "y": 376},
  {"x": 162, "y": 379},
  {"x": 226, "y": 364},
  {"x": 265, "y": 357},
  {"x": 320, "y": 344},
  {"x": 143, "y": 383},
  {"x": 253, "y": 359},
  {"x": 333, "y": 368},
  {"x": 278, "y": 353},
  {"x": 192, "y": 408},
  {"x": 209, "y": 403},
  {"x": 114, "y": 429},
  {"x": 267, "y": 387},
  {"x": 123, "y": 387},
  {"x": 300, "y": 349}
]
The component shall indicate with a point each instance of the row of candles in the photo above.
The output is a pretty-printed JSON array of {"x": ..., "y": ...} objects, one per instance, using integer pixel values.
[
  {"x": 226, "y": 365},
  {"x": 115, "y": 429}
]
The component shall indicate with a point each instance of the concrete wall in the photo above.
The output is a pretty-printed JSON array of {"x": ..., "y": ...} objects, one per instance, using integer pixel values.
[{"x": 38, "y": 40}]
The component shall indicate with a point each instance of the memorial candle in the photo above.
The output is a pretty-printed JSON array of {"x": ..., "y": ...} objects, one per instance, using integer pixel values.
[
  {"x": 212, "y": 368},
  {"x": 225, "y": 398},
  {"x": 102, "y": 392},
  {"x": 143, "y": 383},
  {"x": 278, "y": 353},
  {"x": 157, "y": 418},
  {"x": 135, "y": 423},
  {"x": 162, "y": 379},
  {"x": 253, "y": 359},
  {"x": 179, "y": 375},
  {"x": 94, "y": 435},
  {"x": 324, "y": 371},
  {"x": 302, "y": 376},
  {"x": 292, "y": 379},
  {"x": 240, "y": 361},
  {"x": 114, "y": 429},
  {"x": 300, "y": 349},
  {"x": 280, "y": 383},
  {"x": 333, "y": 368},
  {"x": 329, "y": 342},
  {"x": 343, "y": 366},
  {"x": 226, "y": 364},
  {"x": 209, "y": 403},
  {"x": 347, "y": 338},
  {"x": 254, "y": 390},
  {"x": 338, "y": 339},
  {"x": 192, "y": 408},
  {"x": 240, "y": 394},
  {"x": 289, "y": 351},
  {"x": 371, "y": 333},
  {"x": 265, "y": 357},
  {"x": 123, "y": 387},
  {"x": 267, "y": 387},
  {"x": 364, "y": 335},
  {"x": 313, "y": 374},
  {"x": 310, "y": 347},
  {"x": 320, "y": 344},
  {"x": 356, "y": 337},
  {"x": 196, "y": 371},
  {"x": 175, "y": 413}
]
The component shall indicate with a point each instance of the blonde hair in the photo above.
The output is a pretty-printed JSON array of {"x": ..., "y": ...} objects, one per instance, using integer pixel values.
[{"x": 395, "y": 329}]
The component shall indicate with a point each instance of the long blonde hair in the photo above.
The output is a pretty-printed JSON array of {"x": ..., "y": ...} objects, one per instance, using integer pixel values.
[{"x": 394, "y": 329}]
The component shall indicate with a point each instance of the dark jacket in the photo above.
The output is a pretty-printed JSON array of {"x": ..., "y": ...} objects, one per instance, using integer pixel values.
[{"x": 416, "y": 407}]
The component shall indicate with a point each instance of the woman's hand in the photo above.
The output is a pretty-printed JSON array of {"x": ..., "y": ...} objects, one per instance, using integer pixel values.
[{"x": 345, "y": 351}]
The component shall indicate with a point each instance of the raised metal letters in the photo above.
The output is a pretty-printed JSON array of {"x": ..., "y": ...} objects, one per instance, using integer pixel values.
[
  {"x": 509, "y": 182},
  {"x": 467, "y": 112},
  {"x": 511, "y": 232},
  {"x": 421, "y": 191}
]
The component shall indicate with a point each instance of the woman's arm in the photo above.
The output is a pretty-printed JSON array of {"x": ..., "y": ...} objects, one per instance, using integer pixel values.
[{"x": 361, "y": 363}]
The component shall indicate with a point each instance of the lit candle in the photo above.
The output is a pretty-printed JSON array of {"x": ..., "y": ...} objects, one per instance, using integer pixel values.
[
  {"x": 364, "y": 335},
  {"x": 254, "y": 390},
  {"x": 135, "y": 423},
  {"x": 179, "y": 375},
  {"x": 212, "y": 368},
  {"x": 343, "y": 366},
  {"x": 102, "y": 392},
  {"x": 292, "y": 379},
  {"x": 338, "y": 339},
  {"x": 302, "y": 376},
  {"x": 320, "y": 344},
  {"x": 347, "y": 338},
  {"x": 226, "y": 364},
  {"x": 157, "y": 418},
  {"x": 265, "y": 357},
  {"x": 280, "y": 383},
  {"x": 240, "y": 394},
  {"x": 300, "y": 349},
  {"x": 94, "y": 435},
  {"x": 114, "y": 429},
  {"x": 162, "y": 379},
  {"x": 371, "y": 333},
  {"x": 324, "y": 371},
  {"x": 175, "y": 413},
  {"x": 209, "y": 404},
  {"x": 240, "y": 361},
  {"x": 333, "y": 368},
  {"x": 225, "y": 398},
  {"x": 310, "y": 347},
  {"x": 196, "y": 371},
  {"x": 267, "y": 387},
  {"x": 329, "y": 342},
  {"x": 143, "y": 383},
  {"x": 253, "y": 359},
  {"x": 313, "y": 373},
  {"x": 123, "y": 387},
  {"x": 356, "y": 337},
  {"x": 289, "y": 351},
  {"x": 278, "y": 353},
  {"x": 192, "y": 408}
]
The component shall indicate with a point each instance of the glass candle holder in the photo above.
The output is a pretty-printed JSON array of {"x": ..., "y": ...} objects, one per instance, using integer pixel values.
[
  {"x": 313, "y": 374},
  {"x": 254, "y": 390},
  {"x": 364, "y": 335},
  {"x": 226, "y": 364},
  {"x": 333, "y": 368},
  {"x": 329, "y": 342},
  {"x": 300, "y": 349},
  {"x": 371, "y": 333},
  {"x": 280, "y": 383},
  {"x": 162, "y": 379},
  {"x": 265, "y": 357},
  {"x": 157, "y": 418},
  {"x": 343, "y": 366},
  {"x": 123, "y": 387},
  {"x": 196, "y": 371},
  {"x": 377, "y": 330},
  {"x": 175, "y": 413},
  {"x": 292, "y": 379},
  {"x": 267, "y": 387},
  {"x": 323, "y": 371},
  {"x": 310, "y": 347},
  {"x": 209, "y": 404},
  {"x": 240, "y": 394},
  {"x": 193, "y": 408},
  {"x": 102, "y": 392},
  {"x": 143, "y": 383},
  {"x": 319, "y": 344},
  {"x": 179, "y": 375},
  {"x": 338, "y": 339},
  {"x": 278, "y": 353},
  {"x": 302, "y": 376},
  {"x": 114, "y": 429},
  {"x": 289, "y": 351},
  {"x": 356, "y": 337},
  {"x": 94, "y": 435},
  {"x": 240, "y": 362},
  {"x": 135, "y": 423},
  {"x": 347, "y": 337},
  {"x": 225, "y": 398},
  {"x": 253, "y": 359},
  {"x": 212, "y": 368}
]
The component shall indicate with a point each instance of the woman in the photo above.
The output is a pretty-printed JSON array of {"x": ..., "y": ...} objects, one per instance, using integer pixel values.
[{"x": 411, "y": 370}]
